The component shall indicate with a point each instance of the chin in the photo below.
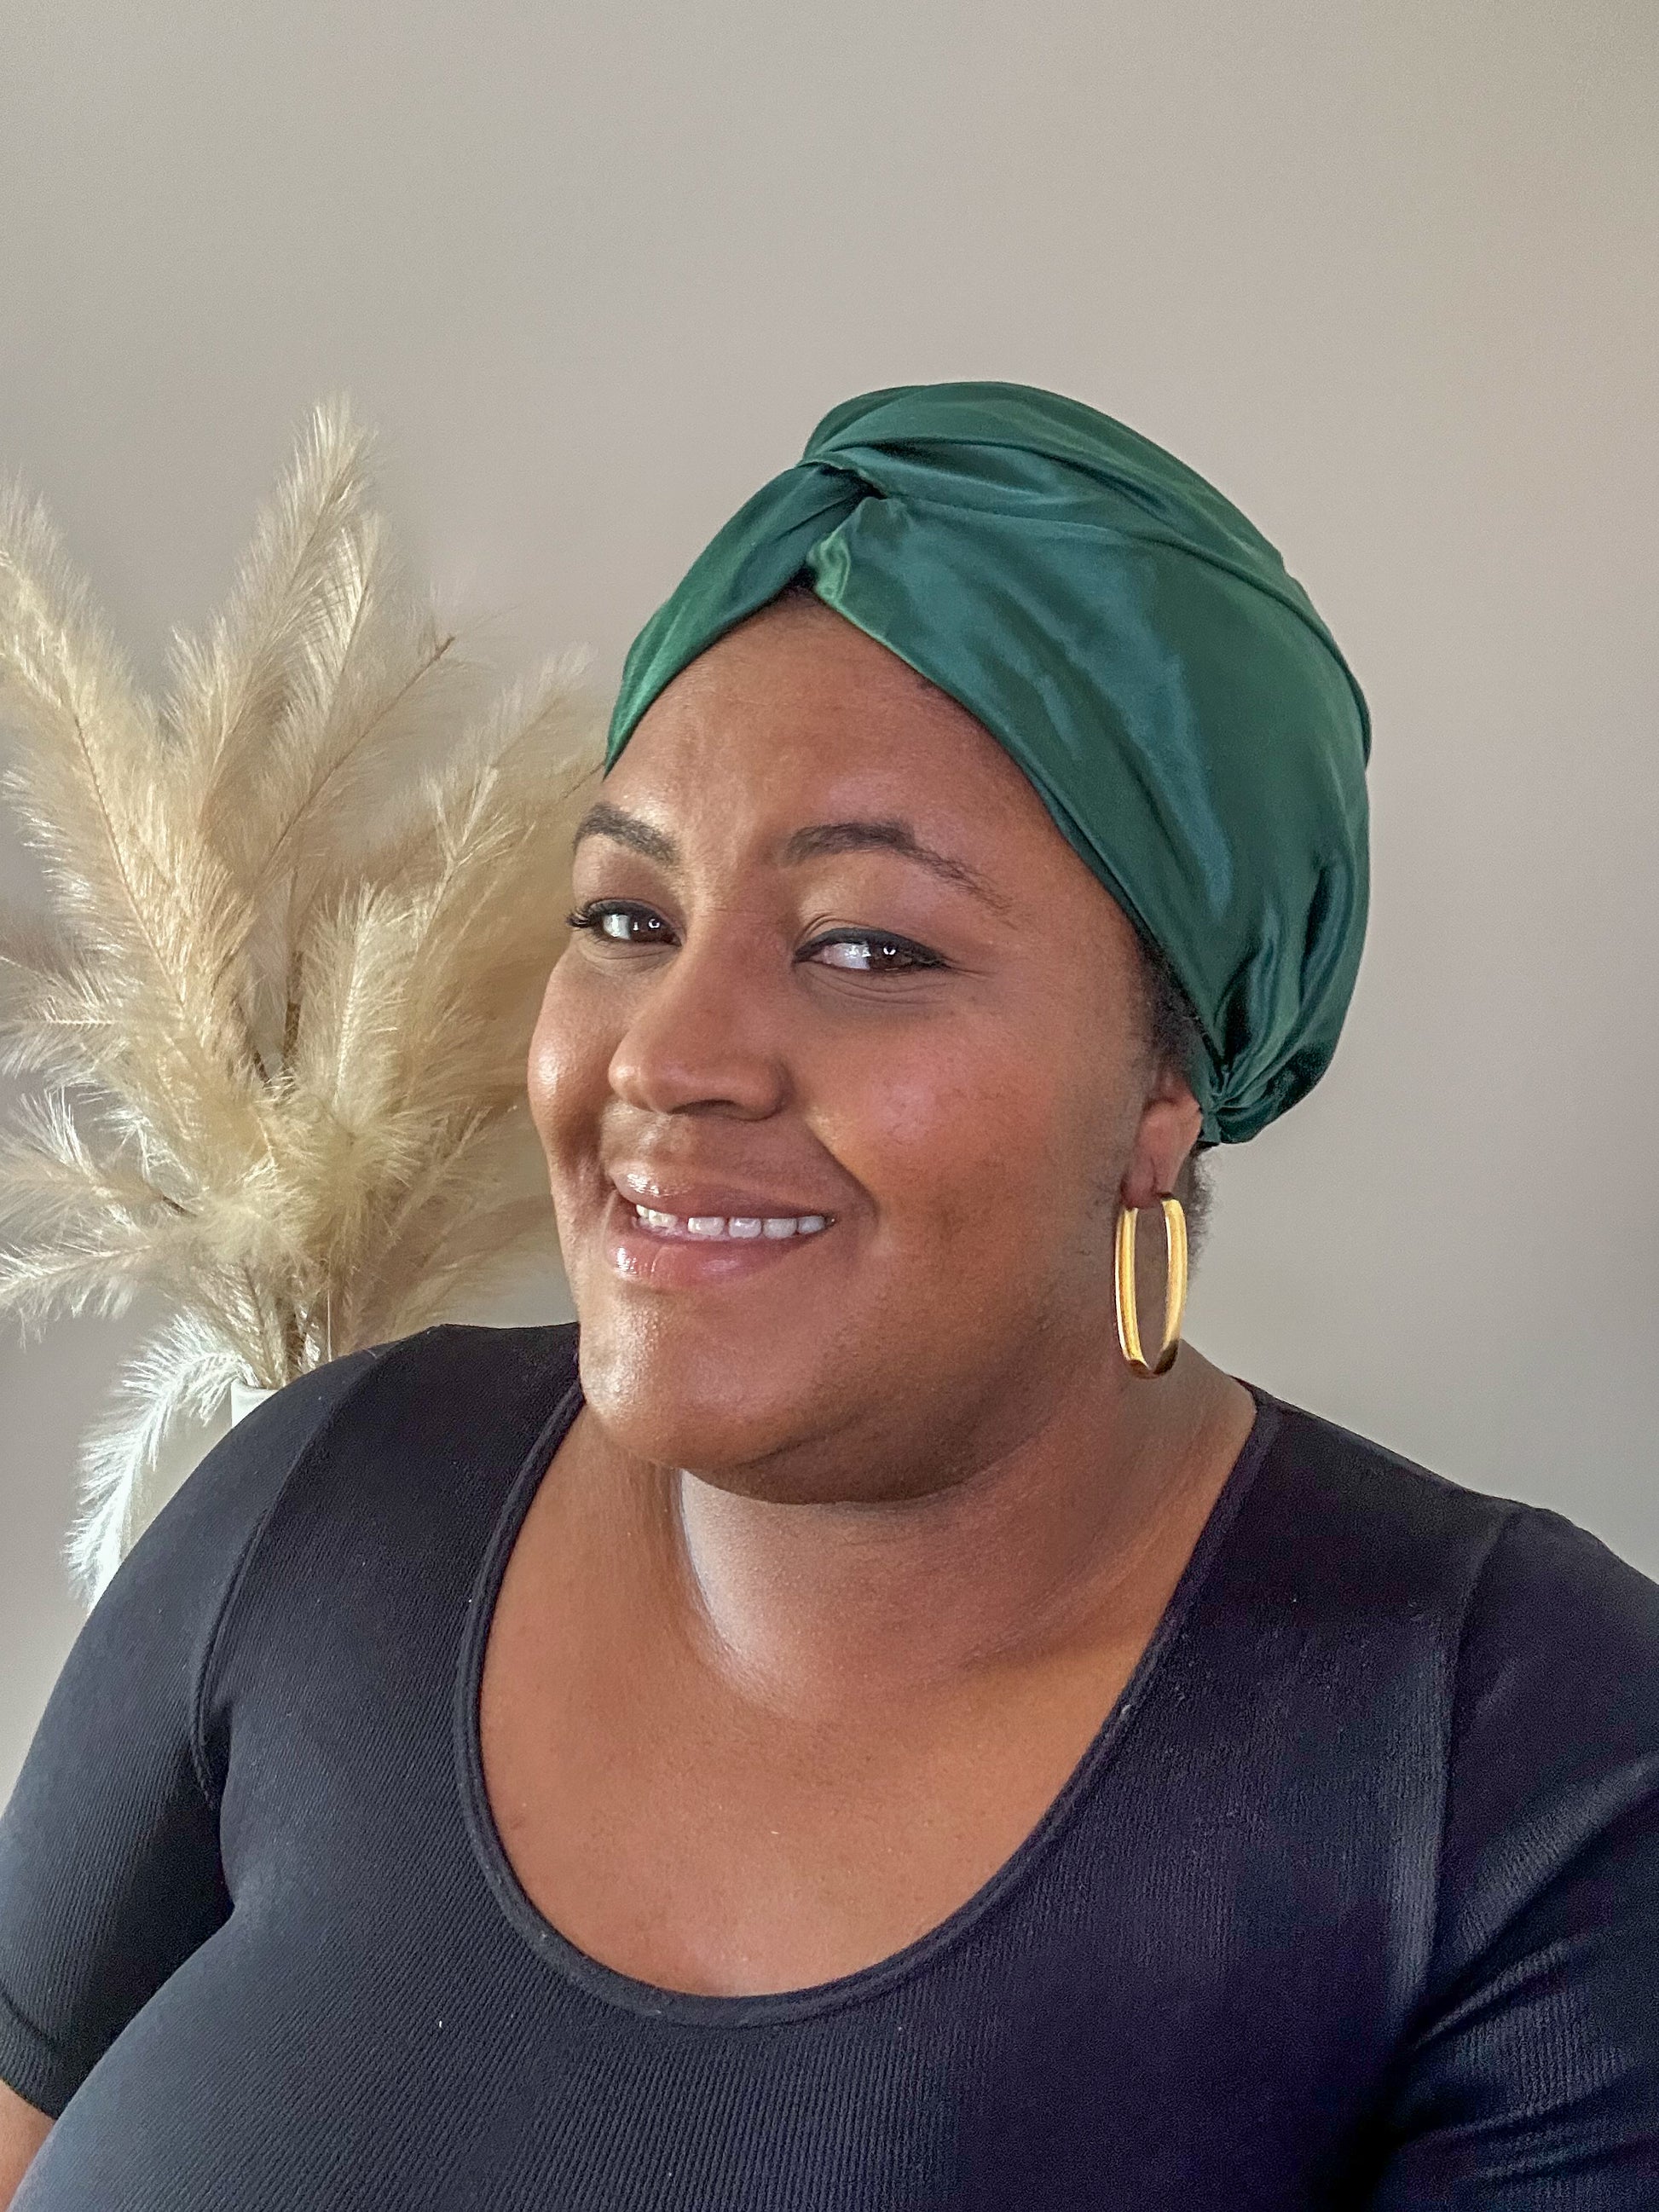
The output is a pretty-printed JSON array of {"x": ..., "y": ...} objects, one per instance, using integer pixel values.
[{"x": 679, "y": 1394}]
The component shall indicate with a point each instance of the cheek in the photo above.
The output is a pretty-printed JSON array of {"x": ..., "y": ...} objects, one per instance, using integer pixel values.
[
  {"x": 977, "y": 1152},
  {"x": 566, "y": 1071}
]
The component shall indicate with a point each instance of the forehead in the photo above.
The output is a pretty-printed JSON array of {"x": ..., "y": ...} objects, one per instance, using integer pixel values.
[{"x": 798, "y": 713}]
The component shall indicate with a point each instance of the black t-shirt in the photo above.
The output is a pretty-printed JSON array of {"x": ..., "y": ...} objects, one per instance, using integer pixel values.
[{"x": 1353, "y": 1901}]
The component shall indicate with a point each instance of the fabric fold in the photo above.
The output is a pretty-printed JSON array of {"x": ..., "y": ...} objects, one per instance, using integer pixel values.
[{"x": 1136, "y": 646}]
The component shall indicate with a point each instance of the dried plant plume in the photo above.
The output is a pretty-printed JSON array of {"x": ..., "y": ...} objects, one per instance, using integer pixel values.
[{"x": 282, "y": 1007}]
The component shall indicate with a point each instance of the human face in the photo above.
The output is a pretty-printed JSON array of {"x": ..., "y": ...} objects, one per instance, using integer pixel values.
[{"x": 943, "y": 1063}]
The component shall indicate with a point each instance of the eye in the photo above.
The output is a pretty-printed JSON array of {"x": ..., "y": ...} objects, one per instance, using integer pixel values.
[
  {"x": 873, "y": 952},
  {"x": 886, "y": 956},
  {"x": 599, "y": 915}
]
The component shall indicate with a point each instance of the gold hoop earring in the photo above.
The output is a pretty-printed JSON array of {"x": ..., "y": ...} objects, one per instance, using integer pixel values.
[{"x": 1174, "y": 1296}]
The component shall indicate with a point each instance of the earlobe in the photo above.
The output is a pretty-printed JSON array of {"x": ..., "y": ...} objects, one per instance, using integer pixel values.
[{"x": 1169, "y": 1127}]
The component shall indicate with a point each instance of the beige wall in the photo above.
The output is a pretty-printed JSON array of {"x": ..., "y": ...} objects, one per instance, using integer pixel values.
[{"x": 1385, "y": 271}]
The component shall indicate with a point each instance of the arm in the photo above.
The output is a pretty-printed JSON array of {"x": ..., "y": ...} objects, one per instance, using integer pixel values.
[
  {"x": 23, "y": 2131},
  {"x": 1530, "y": 2082},
  {"x": 110, "y": 1874}
]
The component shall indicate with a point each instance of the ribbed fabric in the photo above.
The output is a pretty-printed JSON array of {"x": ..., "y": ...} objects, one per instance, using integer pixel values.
[{"x": 1353, "y": 1901}]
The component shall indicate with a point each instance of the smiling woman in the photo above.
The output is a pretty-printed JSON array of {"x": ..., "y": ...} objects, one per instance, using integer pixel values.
[{"x": 839, "y": 1726}]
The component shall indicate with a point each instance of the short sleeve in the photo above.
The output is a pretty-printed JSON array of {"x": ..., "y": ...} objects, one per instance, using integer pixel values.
[
  {"x": 1531, "y": 2081},
  {"x": 110, "y": 1874}
]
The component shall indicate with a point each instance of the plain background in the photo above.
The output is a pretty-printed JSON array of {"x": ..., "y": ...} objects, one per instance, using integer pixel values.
[{"x": 1385, "y": 272}]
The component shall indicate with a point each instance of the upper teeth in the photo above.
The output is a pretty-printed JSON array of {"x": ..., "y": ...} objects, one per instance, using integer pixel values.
[{"x": 733, "y": 1224}]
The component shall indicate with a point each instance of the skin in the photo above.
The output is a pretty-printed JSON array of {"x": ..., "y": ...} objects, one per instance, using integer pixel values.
[
  {"x": 23, "y": 2130},
  {"x": 865, "y": 1545}
]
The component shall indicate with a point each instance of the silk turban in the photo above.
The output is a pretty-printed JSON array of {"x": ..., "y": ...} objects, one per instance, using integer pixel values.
[{"x": 1139, "y": 648}]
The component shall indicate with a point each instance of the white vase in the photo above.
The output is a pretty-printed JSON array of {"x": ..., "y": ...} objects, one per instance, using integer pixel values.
[{"x": 243, "y": 1397}]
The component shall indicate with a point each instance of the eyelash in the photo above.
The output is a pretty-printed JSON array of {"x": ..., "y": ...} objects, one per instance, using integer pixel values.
[{"x": 590, "y": 916}]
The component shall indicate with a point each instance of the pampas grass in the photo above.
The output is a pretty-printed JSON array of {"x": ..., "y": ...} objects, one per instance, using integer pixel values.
[{"x": 284, "y": 1005}]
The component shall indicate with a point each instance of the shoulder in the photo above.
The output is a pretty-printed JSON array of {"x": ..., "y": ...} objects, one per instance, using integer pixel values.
[
  {"x": 188, "y": 1552},
  {"x": 1514, "y": 1572},
  {"x": 1537, "y": 1642},
  {"x": 1552, "y": 1785},
  {"x": 148, "y": 1635},
  {"x": 323, "y": 1416},
  {"x": 307, "y": 1445},
  {"x": 233, "y": 1482},
  {"x": 330, "y": 1442},
  {"x": 1351, "y": 1531},
  {"x": 1524, "y": 1590}
]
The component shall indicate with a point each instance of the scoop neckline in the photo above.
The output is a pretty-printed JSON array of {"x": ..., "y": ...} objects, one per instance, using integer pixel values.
[{"x": 628, "y": 1992}]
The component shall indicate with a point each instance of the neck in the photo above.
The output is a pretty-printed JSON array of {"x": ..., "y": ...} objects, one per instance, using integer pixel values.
[{"x": 1069, "y": 1535}]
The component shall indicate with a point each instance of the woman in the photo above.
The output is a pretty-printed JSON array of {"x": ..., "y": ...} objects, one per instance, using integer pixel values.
[{"x": 868, "y": 1718}]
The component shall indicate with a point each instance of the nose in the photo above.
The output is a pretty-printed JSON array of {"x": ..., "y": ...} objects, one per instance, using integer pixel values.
[{"x": 707, "y": 1031}]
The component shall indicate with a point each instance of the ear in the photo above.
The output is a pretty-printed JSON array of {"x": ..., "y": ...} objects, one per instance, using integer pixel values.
[{"x": 1170, "y": 1123}]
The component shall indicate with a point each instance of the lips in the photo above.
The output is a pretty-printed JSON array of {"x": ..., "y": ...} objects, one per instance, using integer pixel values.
[
  {"x": 684, "y": 1196},
  {"x": 654, "y": 1259}
]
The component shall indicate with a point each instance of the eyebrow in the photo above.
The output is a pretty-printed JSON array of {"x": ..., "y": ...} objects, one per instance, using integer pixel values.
[{"x": 888, "y": 834}]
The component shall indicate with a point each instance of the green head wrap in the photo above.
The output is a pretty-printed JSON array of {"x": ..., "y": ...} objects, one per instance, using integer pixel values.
[{"x": 1139, "y": 648}]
